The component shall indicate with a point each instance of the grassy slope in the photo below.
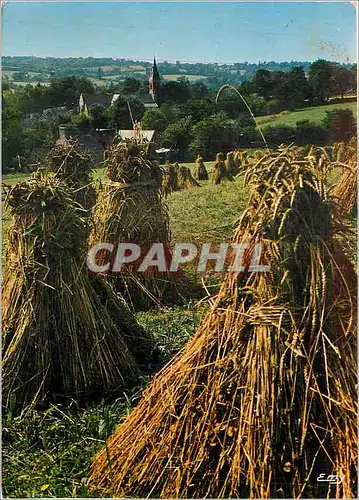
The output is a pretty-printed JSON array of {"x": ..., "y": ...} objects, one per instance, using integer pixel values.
[
  {"x": 49, "y": 453},
  {"x": 314, "y": 114},
  {"x": 191, "y": 78}
]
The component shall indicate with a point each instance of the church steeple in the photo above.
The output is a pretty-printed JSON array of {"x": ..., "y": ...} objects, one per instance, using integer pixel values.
[{"x": 154, "y": 81}]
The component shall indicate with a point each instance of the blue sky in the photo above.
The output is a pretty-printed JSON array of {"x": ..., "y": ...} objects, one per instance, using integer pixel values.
[{"x": 219, "y": 32}]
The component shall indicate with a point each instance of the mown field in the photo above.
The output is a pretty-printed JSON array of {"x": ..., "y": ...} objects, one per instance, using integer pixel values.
[
  {"x": 48, "y": 454},
  {"x": 314, "y": 114}
]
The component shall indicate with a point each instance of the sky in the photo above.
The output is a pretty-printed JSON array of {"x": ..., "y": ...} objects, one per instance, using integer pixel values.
[{"x": 185, "y": 31}]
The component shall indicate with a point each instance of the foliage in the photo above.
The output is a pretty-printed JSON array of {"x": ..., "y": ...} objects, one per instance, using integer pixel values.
[
  {"x": 310, "y": 133},
  {"x": 131, "y": 86},
  {"x": 276, "y": 135},
  {"x": 82, "y": 122},
  {"x": 199, "y": 109},
  {"x": 178, "y": 135},
  {"x": 275, "y": 87},
  {"x": 175, "y": 91},
  {"x": 119, "y": 114},
  {"x": 99, "y": 117},
  {"x": 341, "y": 124},
  {"x": 154, "y": 119},
  {"x": 263, "y": 82},
  {"x": 246, "y": 133},
  {"x": 12, "y": 136},
  {"x": 212, "y": 134},
  {"x": 320, "y": 76}
]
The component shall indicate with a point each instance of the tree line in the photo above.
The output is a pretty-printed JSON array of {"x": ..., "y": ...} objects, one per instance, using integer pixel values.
[{"x": 190, "y": 119}]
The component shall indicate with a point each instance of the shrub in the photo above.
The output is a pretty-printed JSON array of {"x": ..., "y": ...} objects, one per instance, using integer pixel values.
[
  {"x": 310, "y": 133},
  {"x": 279, "y": 134},
  {"x": 212, "y": 135},
  {"x": 81, "y": 122},
  {"x": 154, "y": 119},
  {"x": 246, "y": 135},
  {"x": 341, "y": 125},
  {"x": 274, "y": 106}
]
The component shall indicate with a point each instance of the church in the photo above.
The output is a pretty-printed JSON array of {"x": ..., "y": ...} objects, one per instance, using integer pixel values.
[
  {"x": 154, "y": 83},
  {"x": 150, "y": 100}
]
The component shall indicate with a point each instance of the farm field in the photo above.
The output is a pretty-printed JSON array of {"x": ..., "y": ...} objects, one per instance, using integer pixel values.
[
  {"x": 314, "y": 114},
  {"x": 191, "y": 78},
  {"x": 61, "y": 442}
]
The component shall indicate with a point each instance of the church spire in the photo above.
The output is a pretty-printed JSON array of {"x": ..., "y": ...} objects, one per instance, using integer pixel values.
[{"x": 154, "y": 80}]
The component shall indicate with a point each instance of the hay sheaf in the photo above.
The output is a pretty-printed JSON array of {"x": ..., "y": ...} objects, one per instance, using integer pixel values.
[
  {"x": 231, "y": 164},
  {"x": 73, "y": 164},
  {"x": 240, "y": 159},
  {"x": 263, "y": 399},
  {"x": 222, "y": 168},
  {"x": 201, "y": 173},
  {"x": 346, "y": 190},
  {"x": 131, "y": 209},
  {"x": 219, "y": 173},
  {"x": 170, "y": 180},
  {"x": 185, "y": 178},
  {"x": 65, "y": 333}
]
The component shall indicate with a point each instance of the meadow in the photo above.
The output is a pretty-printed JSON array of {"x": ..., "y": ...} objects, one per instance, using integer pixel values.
[{"x": 314, "y": 114}]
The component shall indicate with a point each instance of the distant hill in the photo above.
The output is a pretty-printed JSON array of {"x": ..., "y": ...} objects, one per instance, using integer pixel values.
[{"x": 21, "y": 69}]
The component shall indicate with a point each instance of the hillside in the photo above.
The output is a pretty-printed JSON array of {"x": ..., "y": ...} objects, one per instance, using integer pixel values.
[{"x": 313, "y": 114}]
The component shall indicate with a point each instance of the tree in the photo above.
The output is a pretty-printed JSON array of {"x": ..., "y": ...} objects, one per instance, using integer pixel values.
[
  {"x": 119, "y": 113},
  {"x": 199, "y": 90},
  {"x": 12, "y": 135},
  {"x": 99, "y": 118},
  {"x": 200, "y": 109},
  {"x": 212, "y": 135},
  {"x": 230, "y": 103},
  {"x": 291, "y": 88},
  {"x": 342, "y": 80},
  {"x": 320, "y": 80},
  {"x": 66, "y": 91},
  {"x": 263, "y": 83},
  {"x": 179, "y": 135},
  {"x": 154, "y": 119},
  {"x": 341, "y": 125},
  {"x": 310, "y": 133},
  {"x": 100, "y": 73},
  {"x": 177, "y": 92},
  {"x": 131, "y": 86}
]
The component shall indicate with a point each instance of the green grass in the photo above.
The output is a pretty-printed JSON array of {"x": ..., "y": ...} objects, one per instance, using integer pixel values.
[
  {"x": 207, "y": 214},
  {"x": 48, "y": 453},
  {"x": 313, "y": 114}
]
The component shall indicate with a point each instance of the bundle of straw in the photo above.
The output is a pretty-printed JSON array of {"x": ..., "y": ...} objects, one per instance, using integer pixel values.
[
  {"x": 185, "y": 178},
  {"x": 73, "y": 164},
  {"x": 219, "y": 172},
  {"x": 240, "y": 159},
  {"x": 230, "y": 164},
  {"x": 170, "y": 180},
  {"x": 201, "y": 173},
  {"x": 65, "y": 333},
  {"x": 263, "y": 399},
  {"x": 131, "y": 210},
  {"x": 346, "y": 190}
]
